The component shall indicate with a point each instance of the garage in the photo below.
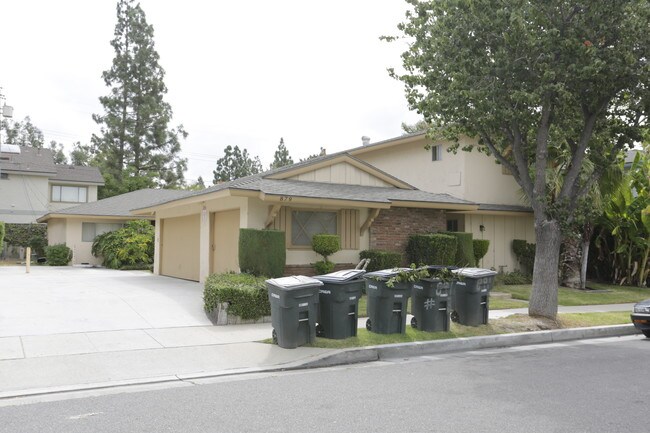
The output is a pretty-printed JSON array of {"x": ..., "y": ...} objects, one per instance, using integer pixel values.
[{"x": 179, "y": 247}]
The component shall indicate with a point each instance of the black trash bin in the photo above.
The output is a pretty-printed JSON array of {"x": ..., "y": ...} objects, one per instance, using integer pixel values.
[
  {"x": 339, "y": 303},
  {"x": 387, "y": 306},
  {"x": 294, "y": 309},
  {"x": 471, "y": 296},
  {"x": 431, "y": 300}
]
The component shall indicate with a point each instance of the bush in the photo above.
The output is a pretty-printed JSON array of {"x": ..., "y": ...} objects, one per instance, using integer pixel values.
[
  {"x": 245, "y": 295},
  {"x": 2, "y": 233},
  {"x": 525, "y": 253},
  {"x": 323, "y": 267},
  {"x": 132, "y": 246},
  {"x": 464, "y": 249},
  {"x": 326, "y": 245},
  {"x": 58, "y": 255},
  {"x": 512, "y": 279},
  {"x": 381, "y": 259},
  {"x": 431, "y": 249},
  {"x": 480, "y": 249},
  {"x": 27, "y": 235},
  {"x": 262, "y": 252}
]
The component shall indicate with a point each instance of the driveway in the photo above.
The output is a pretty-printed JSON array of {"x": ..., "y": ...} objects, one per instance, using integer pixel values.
[{"x": 58, "y": 300}]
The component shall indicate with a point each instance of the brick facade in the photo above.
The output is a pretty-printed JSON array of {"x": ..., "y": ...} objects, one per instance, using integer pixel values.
[{"x": 392, "y": 227}]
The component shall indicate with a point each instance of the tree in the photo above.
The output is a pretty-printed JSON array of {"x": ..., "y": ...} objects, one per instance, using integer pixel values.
[
  {"x": 281, "y": 156},
  {"x": 198, "y": 185},
  {"x": 23, "y": 133},
  {"x": 235, "y": 164},
  {"x": 323, "y": 152},
  {"x": 81, "y": 154},
  {"x": 57, "y": 153},
  {"x": 533, "y": 82},
  {"x": 136, "y": 147},
  {"x": 419, "y": 126}
]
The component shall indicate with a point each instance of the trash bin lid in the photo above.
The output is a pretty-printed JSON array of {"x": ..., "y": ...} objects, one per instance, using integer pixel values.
[
  {"x": 386, "y": 274},
  {"x": 474, "y": 272},
  {"x": 438, "y": 267},
  {"x": 341, "y": 276},
  {"x": 294, "y": 282}
]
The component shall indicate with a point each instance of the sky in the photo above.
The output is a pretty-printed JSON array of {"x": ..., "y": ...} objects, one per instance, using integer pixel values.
[{"x": 239, "y": 73}]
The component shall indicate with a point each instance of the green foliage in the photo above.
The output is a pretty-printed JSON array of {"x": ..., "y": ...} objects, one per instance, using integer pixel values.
[
  {"x": 525, "y": 253},
  {"x": 57, "y": 153},
  {"x": 245, "y": 295},
  {"x": 512, "y": 279},
  {"x": 325, "y": 245},
  {"x": 380, "y": 259},
  {"x": 23, "y": 133},
  {"x": 2, "y": 233},
  {"x": 431, "y": 249},
  {"x": 235, "y": 164},
  {"x": 136, "y": 148},
  {"x": 81, "y": 155},
  {"x": 323, "y": 267},
  {"x": 132, "y": 245},
  {"x": 27, "y": 235},
  {"x": 262, "y": 252},
  {"x": 480, "y": 249},
  {"x": 464, "y": 249},
  {"x": 58, "y": 255},
  {"x": 281, "y": 157}
]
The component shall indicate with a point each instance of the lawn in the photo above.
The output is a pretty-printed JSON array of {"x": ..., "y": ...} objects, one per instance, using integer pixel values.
[{"x": 572, "y": 297}]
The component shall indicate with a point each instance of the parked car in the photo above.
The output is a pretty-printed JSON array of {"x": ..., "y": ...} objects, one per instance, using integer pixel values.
[{"x": 641, "y": 317}]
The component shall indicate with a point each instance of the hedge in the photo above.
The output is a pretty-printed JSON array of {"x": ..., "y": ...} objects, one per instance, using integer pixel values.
[
  {"x": 480, "y": 249},
  {"x": 464, "y": 249},
  {"x": 380, "y": 259},
  {"x": 131, "y": 247},
  {"x": 525, "y": 253},
  {"x": 431, "y": 249},
  {"x": 262, "y": 252},
  {"x": 245, "y": 294},
  {"x": 58, "y": 255},
  {"x": 27, "y": 235},
  {"x": 2, "y": 233},
  {"x": 325, "y": 244}
]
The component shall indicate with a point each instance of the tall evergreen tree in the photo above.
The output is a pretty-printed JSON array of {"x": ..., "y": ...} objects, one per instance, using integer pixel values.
[
  {"x": 136, "y": 147},
  {"x": 57, "y": 153},
  {"x": 281, "y": 156},
  {"x": 234, "y": 164}
]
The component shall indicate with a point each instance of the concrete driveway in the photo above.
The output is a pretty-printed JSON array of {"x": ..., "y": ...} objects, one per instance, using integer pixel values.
[{"x": 58, "y": 300}]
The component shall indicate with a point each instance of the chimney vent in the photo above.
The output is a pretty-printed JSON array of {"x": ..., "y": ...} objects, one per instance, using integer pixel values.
[{"x": 365, "y": 140}]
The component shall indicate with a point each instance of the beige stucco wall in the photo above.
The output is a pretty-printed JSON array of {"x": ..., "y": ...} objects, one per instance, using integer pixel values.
[
  {"x": 24, "y": 198},
  {"x": 179, "y": 247},
  {"x": 225, "y": 241},
  {"x": 56, "y": 231},
  {"x": 486, "y": 182},
  {"x": 343, "y": 173}
]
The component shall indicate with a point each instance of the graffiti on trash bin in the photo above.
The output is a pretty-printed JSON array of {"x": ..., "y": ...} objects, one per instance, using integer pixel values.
[{"x": 429, "y": 304}]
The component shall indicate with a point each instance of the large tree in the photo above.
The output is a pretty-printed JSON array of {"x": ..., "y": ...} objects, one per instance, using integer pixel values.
[
  {"x": 234, "y": 164},
  {"x": 136, "y": 147},
  {"x": 23, "y": 133},
  {"x": 281, "y": 156},
  {"x": 535, "y": 82}
]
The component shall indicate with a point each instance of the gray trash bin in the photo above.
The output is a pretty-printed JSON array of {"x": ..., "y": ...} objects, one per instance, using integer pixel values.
[
  {"x": 431, "y": 301},
  {"x": 294, "y": 310},
  {"x": 387, "y": 306},
  {"x": 339, "y": 303},
  {"x": 471, "y": 296}
]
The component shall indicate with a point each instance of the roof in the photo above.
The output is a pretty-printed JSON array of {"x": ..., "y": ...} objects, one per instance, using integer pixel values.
[
  {"x": 117, "y": 206},
  {"x": 76, "y": 173},
  {"x": 504, "y": 208},
  {"x": 29, "y": 160}
]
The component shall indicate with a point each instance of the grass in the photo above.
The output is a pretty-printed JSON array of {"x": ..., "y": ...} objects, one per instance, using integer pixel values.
[
  {"x": 573, "y": 297},
  {"x": 506, "y": 304}
]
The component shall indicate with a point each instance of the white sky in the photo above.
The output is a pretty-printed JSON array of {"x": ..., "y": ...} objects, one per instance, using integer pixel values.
[{"x": 238, "y": 72}]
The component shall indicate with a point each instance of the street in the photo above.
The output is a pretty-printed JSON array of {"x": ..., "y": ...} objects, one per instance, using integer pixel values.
[{"x": 582, "y": 386}]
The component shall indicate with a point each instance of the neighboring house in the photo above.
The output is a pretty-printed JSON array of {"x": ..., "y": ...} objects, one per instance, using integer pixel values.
[
  {"x": 31, "y": 184},
  {"x": 197, "y": 234},
  {"x": 77, "y": 226}
]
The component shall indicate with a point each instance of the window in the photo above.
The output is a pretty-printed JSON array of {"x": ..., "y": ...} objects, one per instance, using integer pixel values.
[
  {"x": 436, "y": 152},
  {"x": 4, "y": 176},
  {"x": 90, "y": 230},
  {"x": 452, "y": 225},
  {"x": 305, "y": 224},
  {"x": 70, "y": 194}
]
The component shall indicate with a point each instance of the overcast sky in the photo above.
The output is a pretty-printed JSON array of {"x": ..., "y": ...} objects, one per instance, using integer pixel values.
[{"x": 238, "y": 72}]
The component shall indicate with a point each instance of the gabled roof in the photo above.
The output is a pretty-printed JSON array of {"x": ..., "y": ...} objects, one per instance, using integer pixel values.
[
  {"x": 76, "y": 173},
  {"x": 29, "y": 160},
  {"x": 117, "y": 206}
]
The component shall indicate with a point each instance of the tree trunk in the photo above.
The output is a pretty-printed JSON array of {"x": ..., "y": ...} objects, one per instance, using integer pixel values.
[
  {"x": 585, "y": 260},
  {"x": 543, "y": 299},
  {"x": 570, "y": 260}
]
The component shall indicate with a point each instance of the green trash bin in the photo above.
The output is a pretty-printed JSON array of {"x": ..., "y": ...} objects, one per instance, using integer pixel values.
[
  {"x": 431, "y": 301},
  {"x": 294, "y": 310},
  {"x": 339, "y": 303},
  {"x": 471, "y": 296},
  {"x": 387, "y": 306}
]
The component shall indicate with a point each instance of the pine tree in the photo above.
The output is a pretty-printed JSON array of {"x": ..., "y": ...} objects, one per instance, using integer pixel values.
[
  {"x": 234, "y": 164},
  {"x": 136, "y": 147},
  {"x": 281, "y": 156}
]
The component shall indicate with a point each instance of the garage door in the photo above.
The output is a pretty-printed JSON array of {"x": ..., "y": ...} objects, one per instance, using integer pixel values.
[{"x": 179, "y": 249}]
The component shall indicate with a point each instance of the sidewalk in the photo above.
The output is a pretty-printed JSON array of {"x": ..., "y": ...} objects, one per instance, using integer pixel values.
[{"x": 49, "y": 363}]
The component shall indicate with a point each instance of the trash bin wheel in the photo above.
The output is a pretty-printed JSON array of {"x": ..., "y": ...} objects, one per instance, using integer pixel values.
[
  {"x": 454, "y": 317},
  {"x": 414, "y": 323},
  {"x": 319, "y": 330},
  {"x": 368, "y": 325},
  {"x": 274, "y": 335}
]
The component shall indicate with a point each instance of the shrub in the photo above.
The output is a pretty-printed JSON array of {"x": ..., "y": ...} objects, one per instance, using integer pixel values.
[
  {"x": 2, "y": 233},
  {"x": 464, "y": 249},
  {"x": 512, "y": 279},
  {"x": 480, "y": 249},
  {"x": 245, "y": 295},
  {"x": 58, "y": 255},
  {"x": 323, "y": 267},
  {"x": 262, "y": 252},
  {"x": 381, "y": 259},
  {"x": 325, "y": 245},
  {"x": 525, "y": 253},
  {"x": 132, "y": 246},
  {"x": 27, "y": 235},
  {"x": 431, "y": 249}
]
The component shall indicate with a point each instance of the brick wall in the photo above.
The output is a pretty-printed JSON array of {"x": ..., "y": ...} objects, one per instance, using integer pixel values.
[{"x": 392, "y": 227}]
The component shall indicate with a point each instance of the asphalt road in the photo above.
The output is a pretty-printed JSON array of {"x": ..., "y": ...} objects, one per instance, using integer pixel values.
[{"x": 586, "y": 386}]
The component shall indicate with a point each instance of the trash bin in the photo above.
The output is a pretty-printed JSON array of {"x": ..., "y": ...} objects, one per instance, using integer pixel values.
[
  {"x": 471, "y": 296},
  {"x": 294, "y": 310},
  {"x": 387, "y": 306},
  {"x": 339, "y": 303},
  {"x": 431, "y": 299}
]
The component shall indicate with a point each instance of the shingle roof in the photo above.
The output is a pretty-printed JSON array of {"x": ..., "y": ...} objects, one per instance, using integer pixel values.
[
  {"x": 74, "y": 173},
  {"x": 29, "y": 160},
  {"x": 504, "y": 207}
]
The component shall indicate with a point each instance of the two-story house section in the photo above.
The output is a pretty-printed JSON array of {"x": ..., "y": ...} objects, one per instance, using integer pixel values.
[
  {"x": 31, "y": 184},
  {"x": 502, "y": 215}
]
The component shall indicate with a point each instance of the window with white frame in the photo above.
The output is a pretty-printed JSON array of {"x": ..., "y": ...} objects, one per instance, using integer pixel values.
[
  {"x": 91, "y": 230},
  {"x": 306, "y": 224},
  {"x": 436, "y": 152},
  {"x": 69, "y": 194}
]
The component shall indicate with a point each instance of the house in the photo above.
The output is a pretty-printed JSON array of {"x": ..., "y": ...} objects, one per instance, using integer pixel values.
[
  {"x": 31, "y": 184},
  {"x": 197, "y": 234},
  {"x": 77, "y": 226}
]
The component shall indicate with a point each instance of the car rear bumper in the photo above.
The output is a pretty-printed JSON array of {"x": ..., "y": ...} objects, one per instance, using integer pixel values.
[{"x": 641, "y": 321}]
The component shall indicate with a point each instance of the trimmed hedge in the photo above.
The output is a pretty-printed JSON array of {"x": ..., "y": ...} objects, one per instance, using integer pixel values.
[
  {"x": 512, "y": 279},
  {"x": 262, "y": 252},
  {"x": 325, "y": 244},
  {"x": 2, "y": 233},
  {"x": 58, "y": 255},
  {"x": 245, "y": 294},
  {"x": 525, "y": 253},
  {"x": 464, "y": 249},
  {"x": 27, "y": 235},
  {"x": 480, "y": 249},
  {"x": 380, "y": 259},
  {"x": 431, "y": 249}
]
